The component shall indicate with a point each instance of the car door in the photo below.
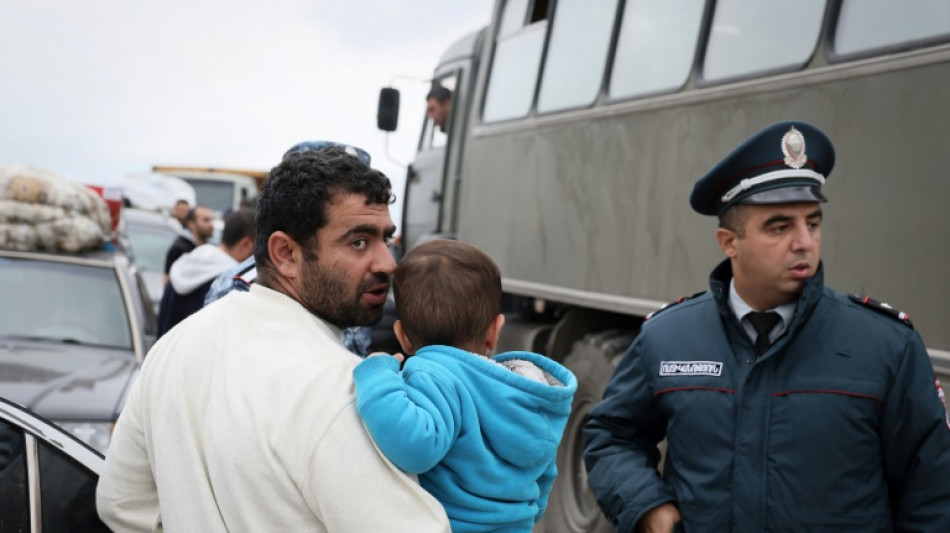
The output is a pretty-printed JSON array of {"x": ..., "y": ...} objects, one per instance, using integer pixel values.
[{"x": 47, "y": 477}]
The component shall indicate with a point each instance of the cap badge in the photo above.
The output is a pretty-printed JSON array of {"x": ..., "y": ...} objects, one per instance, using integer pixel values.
[{"x": 793, "y": 146}]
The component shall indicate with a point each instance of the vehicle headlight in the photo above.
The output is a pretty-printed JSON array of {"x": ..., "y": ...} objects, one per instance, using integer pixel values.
[{"x": 95, "y": 434}]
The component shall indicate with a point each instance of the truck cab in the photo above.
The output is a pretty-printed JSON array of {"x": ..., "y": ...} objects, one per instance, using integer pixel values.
[{"x": 432, "y": 180}]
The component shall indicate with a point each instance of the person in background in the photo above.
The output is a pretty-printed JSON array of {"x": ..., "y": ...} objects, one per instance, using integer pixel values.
[
  {"x": 239, "y": 278},
  {"x": 180, "y": 212},
  {"x": 199, "y": 227},
  {"x": 244, "y": 416},
  {"x": 192, "y": 274},
  {"x": 786, "y": 406},
  {"x": 482, "y": 432},
  {"x": 439, "y": 105}
]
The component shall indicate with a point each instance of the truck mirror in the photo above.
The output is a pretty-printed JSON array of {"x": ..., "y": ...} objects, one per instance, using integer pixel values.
[{"x": 387, "y": 114}]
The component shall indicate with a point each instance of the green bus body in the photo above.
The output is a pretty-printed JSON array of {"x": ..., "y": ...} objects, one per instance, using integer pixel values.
[{"x": 585, "y": 209}]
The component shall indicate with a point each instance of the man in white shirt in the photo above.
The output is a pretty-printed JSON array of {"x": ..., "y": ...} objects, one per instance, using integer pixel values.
[{"x": 244, "y": 418}]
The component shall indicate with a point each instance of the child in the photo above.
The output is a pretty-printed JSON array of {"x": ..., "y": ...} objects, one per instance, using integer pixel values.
[{"x": 482, "y": 432}]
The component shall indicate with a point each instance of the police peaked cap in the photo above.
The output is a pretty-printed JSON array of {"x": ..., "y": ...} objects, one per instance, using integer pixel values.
[
  {"x": 786, "y": 162},
  {"x": 312, "y": 146}
]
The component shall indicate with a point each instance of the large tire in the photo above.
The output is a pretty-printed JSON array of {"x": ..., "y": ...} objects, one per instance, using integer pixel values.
[{"x": 571, "y": 505}]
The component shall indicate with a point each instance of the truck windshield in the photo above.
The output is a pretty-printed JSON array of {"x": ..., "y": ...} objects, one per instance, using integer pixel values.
[{"x": 217, "y": 195}]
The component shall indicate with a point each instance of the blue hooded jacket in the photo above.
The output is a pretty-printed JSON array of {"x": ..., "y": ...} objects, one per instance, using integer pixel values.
[{"x": 482, "y": 438}]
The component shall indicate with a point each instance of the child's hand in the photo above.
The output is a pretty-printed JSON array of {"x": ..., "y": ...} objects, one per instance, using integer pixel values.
[{"x": 399, "y": 357}]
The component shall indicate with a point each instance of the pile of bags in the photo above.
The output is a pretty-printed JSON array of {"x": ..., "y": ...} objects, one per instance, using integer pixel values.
[{"x": 43, "y": 211}]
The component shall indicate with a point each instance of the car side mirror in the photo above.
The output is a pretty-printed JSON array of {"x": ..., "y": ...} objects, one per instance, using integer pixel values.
[{"x": 387, "y": 114}]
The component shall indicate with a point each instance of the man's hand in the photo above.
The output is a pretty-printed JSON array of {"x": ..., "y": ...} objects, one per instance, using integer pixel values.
[
  {"x": 399, "y": 357},
  {"x": 659, "y": 519}
]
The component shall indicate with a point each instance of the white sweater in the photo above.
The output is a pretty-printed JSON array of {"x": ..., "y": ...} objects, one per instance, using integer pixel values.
[{"x": 244, "y": 419}]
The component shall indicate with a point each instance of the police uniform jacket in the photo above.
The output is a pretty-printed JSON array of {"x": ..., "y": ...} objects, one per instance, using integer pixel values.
[{"x": 837, "y": 427}]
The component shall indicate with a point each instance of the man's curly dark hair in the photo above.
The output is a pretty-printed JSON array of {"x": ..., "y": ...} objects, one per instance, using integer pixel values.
[{"x": 295, "y": 194}]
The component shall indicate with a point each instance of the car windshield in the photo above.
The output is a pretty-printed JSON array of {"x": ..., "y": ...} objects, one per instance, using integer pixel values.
[
  {"x": 150, "y": 244},
  {"x": 217, "y": 195},
  {"x": 62, "y": 302}
]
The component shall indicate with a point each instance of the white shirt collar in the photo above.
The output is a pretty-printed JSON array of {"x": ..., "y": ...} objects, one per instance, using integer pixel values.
[{"x": 741, "y": 309}]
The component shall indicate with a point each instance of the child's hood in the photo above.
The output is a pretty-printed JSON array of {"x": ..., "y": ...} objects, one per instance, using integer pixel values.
[{"x": 521, "y": 416}]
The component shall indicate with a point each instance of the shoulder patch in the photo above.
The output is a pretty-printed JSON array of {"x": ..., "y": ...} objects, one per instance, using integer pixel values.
[
  {"x": 247, "y": 276},
  {"x": 679, "y": 300},
  {"x": 881, "y": 307}
]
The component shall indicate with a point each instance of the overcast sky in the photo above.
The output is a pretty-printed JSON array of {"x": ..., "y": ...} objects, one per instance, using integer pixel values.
[{"x": 98, "y": 89}]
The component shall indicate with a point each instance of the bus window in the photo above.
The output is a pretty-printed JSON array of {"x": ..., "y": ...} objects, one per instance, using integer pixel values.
[
  {"x": 577, "y": 54},
  {"x": 752, "y": 36},
  {"x": 656, "y": 46},
  {"x": 513, "y": 18},
  {"x": 872, "y": 24},
  {"x": 514, "y": 70}
]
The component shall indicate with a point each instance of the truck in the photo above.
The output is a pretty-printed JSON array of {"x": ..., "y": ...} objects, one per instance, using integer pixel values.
[
  {"x": 221, "y": 189},
  {"x": 577, "y": 130}
]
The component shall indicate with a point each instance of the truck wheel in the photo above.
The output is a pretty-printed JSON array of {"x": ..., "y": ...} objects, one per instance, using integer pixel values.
[{"x": 571, "y": 505}]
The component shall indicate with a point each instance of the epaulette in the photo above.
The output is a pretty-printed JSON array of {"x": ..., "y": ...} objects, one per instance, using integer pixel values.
[
  {"x": 679, "y": 300},
  {"x": 248, "y": 275},
  {"x": 881, "y": 307}
]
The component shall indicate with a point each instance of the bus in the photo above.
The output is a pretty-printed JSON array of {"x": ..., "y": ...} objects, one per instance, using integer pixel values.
[{"x": 577, "y": 130}]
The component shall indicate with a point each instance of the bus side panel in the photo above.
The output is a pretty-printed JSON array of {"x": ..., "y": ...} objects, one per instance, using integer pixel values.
[{"x": 601, "y": 204}]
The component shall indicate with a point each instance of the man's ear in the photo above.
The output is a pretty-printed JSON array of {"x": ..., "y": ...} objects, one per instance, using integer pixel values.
[
  {"x": 727, "y": 241},
  {"x": 403, "y": 338},
  {"x": 285, "y": 254},
  {"x": 494, "y": 330}
]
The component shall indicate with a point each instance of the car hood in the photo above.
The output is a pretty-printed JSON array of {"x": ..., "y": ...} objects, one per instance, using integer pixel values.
[{"x": 65, "y": 381}]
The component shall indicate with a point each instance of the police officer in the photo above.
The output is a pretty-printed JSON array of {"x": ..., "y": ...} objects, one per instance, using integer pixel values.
[{"x": 786, "y": 406}]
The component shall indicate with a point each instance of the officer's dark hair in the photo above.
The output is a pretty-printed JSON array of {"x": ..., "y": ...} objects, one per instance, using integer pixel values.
[
  {"x": 734, "y": 219},
  {"x": 447, "y": 292},
  {"x": 238, "y": 225},
  {"x": 440, "y": 93},
  {"x": 296, "y": 192}
]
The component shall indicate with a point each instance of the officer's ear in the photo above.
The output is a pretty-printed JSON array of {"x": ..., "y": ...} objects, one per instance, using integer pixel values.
[
  {"x": 243, "y": 249},
  {"x": 727, "y": 241}
]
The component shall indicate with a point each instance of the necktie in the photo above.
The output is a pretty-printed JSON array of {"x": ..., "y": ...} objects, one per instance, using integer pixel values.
[{"x": 763, "y": 324}]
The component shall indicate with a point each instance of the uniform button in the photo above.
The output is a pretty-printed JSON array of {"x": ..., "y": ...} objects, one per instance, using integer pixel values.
[{"x": 748, "y": 362}]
